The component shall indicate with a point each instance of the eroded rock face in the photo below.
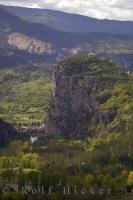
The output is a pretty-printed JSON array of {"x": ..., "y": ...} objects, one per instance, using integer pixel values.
[
  {"x": 76, "y": 103},
  {"x": 29, "y": 44},
  {"x": 7, "y": 133}
]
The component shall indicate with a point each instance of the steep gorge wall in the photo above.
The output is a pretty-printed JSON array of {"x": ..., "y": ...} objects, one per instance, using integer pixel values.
[{"x": 7, "y": 133}]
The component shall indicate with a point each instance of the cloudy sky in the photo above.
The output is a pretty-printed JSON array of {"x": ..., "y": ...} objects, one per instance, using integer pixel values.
[{"x": 110, "y": 9}]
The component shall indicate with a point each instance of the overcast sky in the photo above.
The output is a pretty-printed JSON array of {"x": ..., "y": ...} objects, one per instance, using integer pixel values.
[{"x": 110, "y": 9}]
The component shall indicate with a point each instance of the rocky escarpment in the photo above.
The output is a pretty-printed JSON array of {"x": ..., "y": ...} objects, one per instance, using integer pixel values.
[
  {"x": 7, "y": 133},
  {"x": 78, "y": 83},
  {"x": 29, "y": 44}
]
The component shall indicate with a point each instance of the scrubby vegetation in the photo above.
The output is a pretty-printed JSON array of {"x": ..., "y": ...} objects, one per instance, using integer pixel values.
[{"x": 101, "y": 162}]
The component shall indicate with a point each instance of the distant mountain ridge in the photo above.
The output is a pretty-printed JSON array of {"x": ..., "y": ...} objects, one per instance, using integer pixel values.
[
  {"x": 22, "y": 42},
  {"x": 71, "y": 22}
]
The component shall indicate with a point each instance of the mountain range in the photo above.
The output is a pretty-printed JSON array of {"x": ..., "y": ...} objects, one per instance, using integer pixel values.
[
  {"x": 71, "y": 22},
  {"x": 39, "y": 36}
]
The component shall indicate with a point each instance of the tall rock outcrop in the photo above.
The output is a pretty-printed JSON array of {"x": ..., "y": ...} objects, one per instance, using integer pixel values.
[{"x": 77, "y": 84}]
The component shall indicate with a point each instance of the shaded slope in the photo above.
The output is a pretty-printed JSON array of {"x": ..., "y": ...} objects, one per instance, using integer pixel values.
[{"x": 72, "y": 22}]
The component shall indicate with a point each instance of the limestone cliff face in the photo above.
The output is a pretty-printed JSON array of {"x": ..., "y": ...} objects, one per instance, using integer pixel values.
[
  {"x": 75, "y": 105},
  {"x": 29, "y": 44}
]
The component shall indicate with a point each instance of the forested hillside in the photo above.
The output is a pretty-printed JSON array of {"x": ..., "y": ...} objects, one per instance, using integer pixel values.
[{"x": 25, "y": 94}]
